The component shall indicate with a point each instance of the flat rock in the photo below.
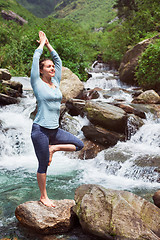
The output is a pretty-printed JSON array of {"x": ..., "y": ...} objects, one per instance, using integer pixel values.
[{"x": 47, "y": 220}]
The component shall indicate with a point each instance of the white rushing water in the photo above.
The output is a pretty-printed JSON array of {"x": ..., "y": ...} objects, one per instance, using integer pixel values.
[
  {"x": 113, "y": 168},
  {"x": 128, "y": 165}
]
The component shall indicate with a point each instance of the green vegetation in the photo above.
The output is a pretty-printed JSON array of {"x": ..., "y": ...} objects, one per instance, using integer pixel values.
[
  {"x": 148, "y": 71},
  {"x": 39, "y": 8},
  {"x": 74, "y": 36},
  {"x": 17, "y": 8},
  {"x": 74, "y": 45},
  {"x": 91, "y": 14}
]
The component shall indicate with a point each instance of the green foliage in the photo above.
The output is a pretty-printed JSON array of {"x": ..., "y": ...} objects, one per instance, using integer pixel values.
[
  {"x": 139, "y": 19},
  {"x": 125, "y": 8},
  {"x": 15, "y": 7},
  {"x": 113, "y": 44},
  {"x": 72, "y": 43},
  {"x": 39, "y": 8},
  {"x": 148, "y": 70},
  {"x": 3, "y": 89},
  {"x": 91, "y": 14},
  {"x": 74, "y": 37}
]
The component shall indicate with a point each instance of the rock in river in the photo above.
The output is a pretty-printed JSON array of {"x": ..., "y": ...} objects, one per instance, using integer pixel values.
[
  {"x": 115, "y": 214},
  {"x": 47, "y": 220}
]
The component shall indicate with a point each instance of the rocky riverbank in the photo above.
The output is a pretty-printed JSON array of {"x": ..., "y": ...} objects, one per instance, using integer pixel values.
[
  {"x": 96, "y": 207},
  {"x": 10, "y": 91},
  {"x": 105, "y": 213}
]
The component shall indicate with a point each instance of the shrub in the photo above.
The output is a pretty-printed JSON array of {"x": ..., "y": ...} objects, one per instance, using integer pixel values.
[{"x": 148, "y": 70}]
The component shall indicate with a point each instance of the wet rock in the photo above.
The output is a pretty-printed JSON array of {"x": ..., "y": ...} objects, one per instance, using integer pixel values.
[
  {"x": 14, "y": 85},
  {"x": 9, "y": 15},
  {"x": 113, "y": 214},
  {"x": 88, "y": 94},
  {"x": 131, "y": 110},
  {"x": 156, "y": 198},
  {"x": 6, "y": 100},
  {"x": 107, "y": 116},
  {"x": 134, "y": 123},
  {"x": 70, "y": 85},
  {"x": 46, "y": 220},
  {"x": 4, "y": 74},
  {"x": 102, "y": 136},
  {"x": 136, "y": 92},
  {"x": 99, "y": 66},
  {"x": 147, "y": 97},
  {"x": 130, "y": 60},
  {"x": 69, "y": 124},
  {"x": 90, "y": 150},
  {"x": 75, "y": 107}
]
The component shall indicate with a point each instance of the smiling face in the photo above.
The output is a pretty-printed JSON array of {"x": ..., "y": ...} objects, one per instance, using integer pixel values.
[{"x": 47, "y": 69}]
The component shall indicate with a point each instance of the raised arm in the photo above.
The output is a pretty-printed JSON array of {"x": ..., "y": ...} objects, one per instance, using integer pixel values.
[
  {"x": 35, "y": 74},
  {"x": 57, "y": 61}
]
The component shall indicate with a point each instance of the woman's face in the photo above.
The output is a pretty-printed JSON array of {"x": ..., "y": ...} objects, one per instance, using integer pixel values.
[{"x": 48, "y": 70}]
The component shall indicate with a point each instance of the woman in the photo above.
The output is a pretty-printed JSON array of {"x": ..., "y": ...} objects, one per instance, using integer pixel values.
[{"x": 46, "y": 135}]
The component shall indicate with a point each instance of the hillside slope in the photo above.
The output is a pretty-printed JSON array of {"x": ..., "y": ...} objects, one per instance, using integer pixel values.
[
  {"x": 17, "y": 8},
  {"x": 91, "y": 13},
  {"x": 39, "y": 8}
]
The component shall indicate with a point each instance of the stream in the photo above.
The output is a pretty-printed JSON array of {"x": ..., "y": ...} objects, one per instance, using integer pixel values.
[{"x": 115, "y": 167}]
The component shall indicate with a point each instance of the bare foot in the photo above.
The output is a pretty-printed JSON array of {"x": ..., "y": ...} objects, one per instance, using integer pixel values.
[
  {"x": 51, "y": 151},
  {"x": 47, "y": 202}
]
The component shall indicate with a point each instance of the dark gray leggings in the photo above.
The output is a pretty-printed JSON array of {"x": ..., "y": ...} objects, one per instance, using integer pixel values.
[{"x": 43, "y": 137}]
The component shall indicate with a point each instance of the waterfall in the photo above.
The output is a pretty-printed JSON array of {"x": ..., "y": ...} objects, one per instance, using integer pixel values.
[{"x": 126, "y": 166}]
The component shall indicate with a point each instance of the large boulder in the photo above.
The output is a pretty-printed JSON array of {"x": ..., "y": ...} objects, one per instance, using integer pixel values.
[
  {"x": 106, "y": 115},
  {"x": 70, "y": 85},
  {"x": 130, "y": 60},
  {"x": 47, "y": 220},
  {"x": 113, "y": 214},
  {"x": 102, "y": 136}
]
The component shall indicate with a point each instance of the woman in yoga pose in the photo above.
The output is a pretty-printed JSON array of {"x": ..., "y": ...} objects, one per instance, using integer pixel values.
[{"x": 46, "y": 135}]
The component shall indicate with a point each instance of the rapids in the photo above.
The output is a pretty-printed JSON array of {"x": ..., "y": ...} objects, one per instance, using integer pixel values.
[{"x": 113, "y": 167}]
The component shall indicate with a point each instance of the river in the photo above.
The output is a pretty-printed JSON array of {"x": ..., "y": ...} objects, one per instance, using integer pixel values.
[{"x": 113, "y": 167}]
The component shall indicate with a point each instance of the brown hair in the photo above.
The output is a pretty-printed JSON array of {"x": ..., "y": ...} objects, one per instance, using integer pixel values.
[{"x": 41, "y": 64}]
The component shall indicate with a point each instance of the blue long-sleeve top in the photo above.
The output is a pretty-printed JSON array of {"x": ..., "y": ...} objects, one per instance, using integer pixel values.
[{"x": 48, "y": 99}]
